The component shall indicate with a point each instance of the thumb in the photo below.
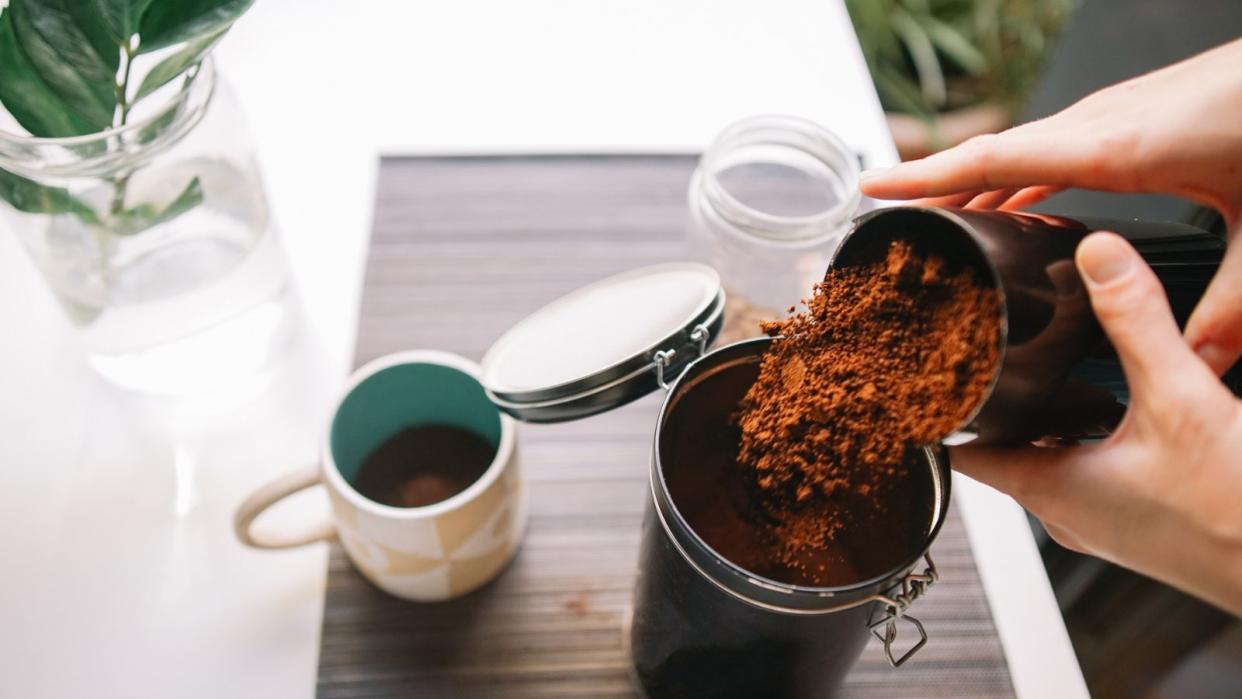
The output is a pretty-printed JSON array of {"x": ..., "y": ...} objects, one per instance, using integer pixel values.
[{"x": 1134, "y": 312}]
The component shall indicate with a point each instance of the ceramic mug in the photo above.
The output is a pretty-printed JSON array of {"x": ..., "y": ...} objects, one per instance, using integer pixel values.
[{"x": 430, "y": 553}]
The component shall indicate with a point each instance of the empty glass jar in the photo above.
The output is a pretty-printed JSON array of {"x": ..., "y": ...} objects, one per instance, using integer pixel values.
[{"x": 770, "y": 200}]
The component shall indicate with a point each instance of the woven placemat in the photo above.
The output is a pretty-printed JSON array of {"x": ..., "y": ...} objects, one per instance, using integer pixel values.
[{"x": 463, "y": 248}]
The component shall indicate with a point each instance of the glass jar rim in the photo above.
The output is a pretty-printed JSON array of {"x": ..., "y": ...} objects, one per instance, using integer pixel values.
[
  {"x": 787, "y": 131},
  {"x": 143, "y": 137}
]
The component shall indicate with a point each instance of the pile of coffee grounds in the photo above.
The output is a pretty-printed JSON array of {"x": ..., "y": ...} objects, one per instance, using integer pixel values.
[
  {"x": 423, "y": 465},
  {"x": 886, "y": 356}
]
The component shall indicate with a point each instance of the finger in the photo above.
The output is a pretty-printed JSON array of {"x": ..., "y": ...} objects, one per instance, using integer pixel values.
[
  {"x": 1028, "y": 197},
  {"x": 1063, "y": 537},
  {"x": 1023, "y": 156},
  {"x": 1215, "y": 328},
  {"x": 952, "y": 200},
  {"x": 1046, "y": 481},
  {"x": 1133, "y": 311},
  {"x": 993, "y": 199}
]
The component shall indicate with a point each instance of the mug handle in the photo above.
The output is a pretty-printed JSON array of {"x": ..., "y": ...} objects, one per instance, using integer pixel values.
[{"x": 269, "y": 495}]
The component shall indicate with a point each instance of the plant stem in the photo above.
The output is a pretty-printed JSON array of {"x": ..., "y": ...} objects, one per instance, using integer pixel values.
[{"x": 122, "y": 101}]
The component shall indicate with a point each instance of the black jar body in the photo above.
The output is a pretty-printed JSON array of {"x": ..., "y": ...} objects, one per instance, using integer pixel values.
[
  {"x": 691, "y": 639},
  {"x": 704, "y": 625}
]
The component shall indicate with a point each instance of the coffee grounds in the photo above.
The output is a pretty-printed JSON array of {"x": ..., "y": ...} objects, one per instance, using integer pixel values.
[
  {"x": 423, "y": 465},
  {"x": 698, "y": 447},
  {"x": 886, "y": 356}
]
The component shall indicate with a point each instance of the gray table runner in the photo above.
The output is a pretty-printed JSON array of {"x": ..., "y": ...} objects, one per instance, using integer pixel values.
[{"x": 462, "y": 248}]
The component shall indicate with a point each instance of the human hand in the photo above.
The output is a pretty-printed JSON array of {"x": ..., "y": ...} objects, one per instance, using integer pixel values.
[
  {"x": 1160, "y": 495},
  {"x": 1174, "y": 131}
]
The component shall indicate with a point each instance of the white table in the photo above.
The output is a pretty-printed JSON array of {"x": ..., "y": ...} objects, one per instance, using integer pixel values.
[{"x": 120, "y": 573}]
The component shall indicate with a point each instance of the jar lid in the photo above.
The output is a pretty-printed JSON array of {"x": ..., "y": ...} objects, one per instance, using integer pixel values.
[{"x": 605, "y": 344}]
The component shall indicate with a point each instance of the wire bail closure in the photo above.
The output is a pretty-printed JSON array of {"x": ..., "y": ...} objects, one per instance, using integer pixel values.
[
  {"x": 913, "y": 586},
  {"x": 699, "y": 335},
  {"x": 662, "y": 359}
]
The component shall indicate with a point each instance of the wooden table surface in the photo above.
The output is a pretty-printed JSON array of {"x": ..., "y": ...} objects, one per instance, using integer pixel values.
[{"x": 462, "y": 248}]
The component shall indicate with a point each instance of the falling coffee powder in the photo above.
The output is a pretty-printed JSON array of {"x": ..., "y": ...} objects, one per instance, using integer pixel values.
[
  {"x": 717, "y": 499},
  {"x": 423, "y": 465},
  {"x": 888, "y": 355}
]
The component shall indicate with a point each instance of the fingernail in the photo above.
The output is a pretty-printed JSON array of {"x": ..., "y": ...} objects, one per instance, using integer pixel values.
[
  {"x": 1105, "y": 257},
  {"x": 1214, "y": 355}
]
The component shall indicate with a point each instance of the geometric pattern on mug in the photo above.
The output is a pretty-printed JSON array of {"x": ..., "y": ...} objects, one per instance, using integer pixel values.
[
  {"x": 460, "y": 550},
  {"x": 418, "y": 537},
  {"x": 466, "y": 531}
]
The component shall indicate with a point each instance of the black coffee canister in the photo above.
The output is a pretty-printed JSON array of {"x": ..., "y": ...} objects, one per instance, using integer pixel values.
[
  {"x": 703, "y": 626},
  {"x": 1058, "y": 376}
]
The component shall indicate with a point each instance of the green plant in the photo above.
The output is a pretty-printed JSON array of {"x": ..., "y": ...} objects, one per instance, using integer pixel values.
[
  {"x": 76, "y": 67},
  {"x": 930, "y": 56}
]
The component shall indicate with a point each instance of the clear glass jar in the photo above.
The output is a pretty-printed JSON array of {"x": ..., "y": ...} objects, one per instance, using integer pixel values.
[
  {"x": 156, "y": 239},
  {"x": 770, "y": 200}
]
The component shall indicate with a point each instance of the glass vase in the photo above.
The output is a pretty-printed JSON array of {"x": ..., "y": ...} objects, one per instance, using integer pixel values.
[{"x": 156, "y": 239}]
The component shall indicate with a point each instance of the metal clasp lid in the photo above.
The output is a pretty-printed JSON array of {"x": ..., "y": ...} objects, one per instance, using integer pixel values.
[
  {"x": 913, "y": 586},
  {"x": 595, "y": 348}
]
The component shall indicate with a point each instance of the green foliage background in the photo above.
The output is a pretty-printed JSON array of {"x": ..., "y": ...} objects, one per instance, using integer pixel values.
[{"x": 930, "y": 56}]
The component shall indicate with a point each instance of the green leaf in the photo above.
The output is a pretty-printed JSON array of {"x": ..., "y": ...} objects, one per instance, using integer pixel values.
[
  {"x": 176, "y": 64},
  {"x": 923, "y": 54},
  {"x": 898, "y": 93},
  {"x": 24, "y": 94},
  {"x": 82, "y": 17},
  {"x": 956, "y": 46},
  {"x": 168, "y": 22},
  {"x": 33, "y": 198},
  {"x": 67, "y": 47},
  {"x": 144, "y": 216},
  {"x": 121, "y": 17}
]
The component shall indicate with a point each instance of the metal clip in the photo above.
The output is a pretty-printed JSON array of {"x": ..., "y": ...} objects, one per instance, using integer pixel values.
[
  {"x": 913, "y": 586},
  {"x": 662, "y": 359},
  {"x": 701, "y": 335}
]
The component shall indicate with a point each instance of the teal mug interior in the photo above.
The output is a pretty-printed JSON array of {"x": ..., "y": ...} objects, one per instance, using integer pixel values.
[{"x": 408, "y": 395}]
